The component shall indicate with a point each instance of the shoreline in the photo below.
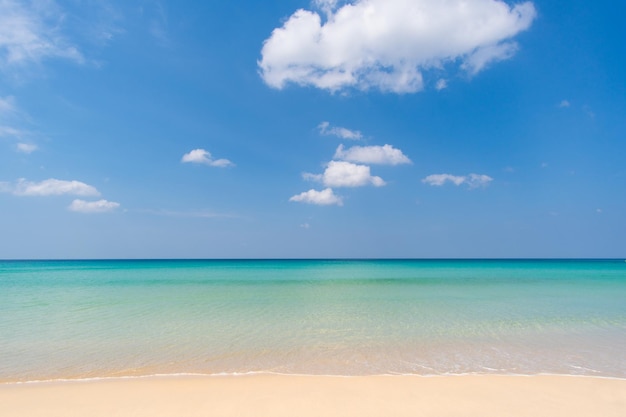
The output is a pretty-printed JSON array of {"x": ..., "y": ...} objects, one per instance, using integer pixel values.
[
  {"x": 312, "y": 395},
  {"x": 178, "y": 375}
]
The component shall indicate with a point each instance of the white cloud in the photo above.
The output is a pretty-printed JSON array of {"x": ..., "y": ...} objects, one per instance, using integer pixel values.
[
  {"x": 471, "y": 180},
  {"x": 388, "y": 44},
  {"x": 51, "y": 186},
  {"x": 341, "y": 132},
  {"x": 11, "y": 132},
  {"x": 441, "y": 179},
  {"x": 384, "y": 155},
  {"x": 325, "y": 197},
  {"x": 26, "y": 147},
  {"x": 100, "y": 206},
  {"x": 441, "y": 84},
  {"x": 478, "y": 180},
  {"x": 29, "y": 32},
  {"x": 564, "y": 103},
  {"x": 201, "y": 156},
  {"x": 346, "y": 174}
]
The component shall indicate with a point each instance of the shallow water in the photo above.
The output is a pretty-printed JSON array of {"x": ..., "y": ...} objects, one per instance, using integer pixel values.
[{"x": 79, "y": 319}]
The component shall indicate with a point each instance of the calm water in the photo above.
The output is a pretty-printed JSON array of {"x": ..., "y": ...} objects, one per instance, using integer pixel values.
[{"x": 76, "y": 319}]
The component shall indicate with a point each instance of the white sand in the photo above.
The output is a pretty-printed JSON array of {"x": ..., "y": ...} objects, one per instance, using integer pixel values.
[{"x": 277, "y": 395}]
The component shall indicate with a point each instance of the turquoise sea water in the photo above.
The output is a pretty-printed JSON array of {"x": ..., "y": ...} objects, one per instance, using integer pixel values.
[{"x": 81, "y": 319}]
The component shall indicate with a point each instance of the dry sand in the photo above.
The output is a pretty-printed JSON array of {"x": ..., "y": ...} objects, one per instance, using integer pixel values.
[{"x": 278, "y": 395}]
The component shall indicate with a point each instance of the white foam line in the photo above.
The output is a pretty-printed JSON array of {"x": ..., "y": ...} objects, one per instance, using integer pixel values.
[{"x": 261, "y": 373}]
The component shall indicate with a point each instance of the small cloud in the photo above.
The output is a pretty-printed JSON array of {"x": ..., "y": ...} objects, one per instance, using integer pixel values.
[
  {"x": 325, "y": 197},
  {"x": 100, "y": 206},
  {"x": 478, "y": 180},
  {"x": 471, "y": 180},
  {"x": 305, "y": 226},
  {"x": 26, "y": 148},
  {"x": 544, "y": 165},
  {"x": 564, "y": 103},
  {"x": 509, "y": 169},
  {"x": 440, "y": 179},
  {"x": 312, "y": 177},
  {"x": 589, "y": 112},
  {"x": 599, "y": 211},
  {"x": 441, "y": 84},
  {"x": 384, "y": 155},
  {"x": 201, "y": 156},
  {"x": 341, "y": 132},
  {"x": 50, "y": 187},
  {"x": 346, "y": 174}
]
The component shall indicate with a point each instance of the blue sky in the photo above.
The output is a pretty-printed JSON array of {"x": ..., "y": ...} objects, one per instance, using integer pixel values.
[{"x": 307, "y": 129}]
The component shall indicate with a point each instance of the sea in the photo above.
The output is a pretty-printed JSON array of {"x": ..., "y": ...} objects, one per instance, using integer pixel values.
[{"x": 124, "y": 318}]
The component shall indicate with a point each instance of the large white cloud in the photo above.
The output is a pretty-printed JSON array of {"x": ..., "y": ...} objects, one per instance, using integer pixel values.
[
  {"x": 325, "y": 197},
  {"x": 201, "y": 156},
  {"x": 29, "y": 32},
  {"x": 49, "y": 187},
  {"x": 100, "y": 206},
  {"x": 471, "y": 180},
  {"x": 384, "y": 155},
  {"x": 346, "y": 174},
  {"x": 388, "y": 44}
]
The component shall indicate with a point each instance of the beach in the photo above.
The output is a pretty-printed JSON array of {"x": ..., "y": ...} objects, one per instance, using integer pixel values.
[
  {"x": 313, "y": 337},
  {"x": 289, "y": 395}
]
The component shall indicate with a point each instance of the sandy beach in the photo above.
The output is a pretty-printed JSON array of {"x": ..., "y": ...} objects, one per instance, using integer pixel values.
[{"x": 282, "y": 395}]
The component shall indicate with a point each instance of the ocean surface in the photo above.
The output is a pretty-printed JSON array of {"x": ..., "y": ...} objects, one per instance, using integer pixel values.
[{"x": 90, "y": 319}]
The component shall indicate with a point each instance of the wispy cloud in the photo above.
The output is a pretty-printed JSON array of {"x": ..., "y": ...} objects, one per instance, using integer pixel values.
[
  {"x": 49, "y": 187},
  {"x": 26, "y": 148},
  {"x": 30, "y": 32},
  {"x": 201, "y": 156},
  {"x": 345, "y": 174},
  {"x": 12, "y": 120},
  {"x": 199, "y": 214},
  {"x": 388, "y": 44},
  {"x": 325, "y": 197},
  {"x": 471, "y": 180},
  {"x": 159, "y": 24},
  {"x": 383, "y": 155},
  {"x": 7, "y": 106},
  {"x": 564, "y": 103},
  {"x": 341, "y": 132},
  {"x": 441, "y": 84},
  {"x": 100, "y": 206},
  {"x": 8, "y": 114}
]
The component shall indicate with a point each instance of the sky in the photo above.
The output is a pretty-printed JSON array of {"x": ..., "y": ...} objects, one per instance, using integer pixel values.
[{"x": 312, "y": 129}]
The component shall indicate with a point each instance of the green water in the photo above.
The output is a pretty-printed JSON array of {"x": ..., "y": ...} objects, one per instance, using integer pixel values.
[{"x": 78, "y": 319}]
